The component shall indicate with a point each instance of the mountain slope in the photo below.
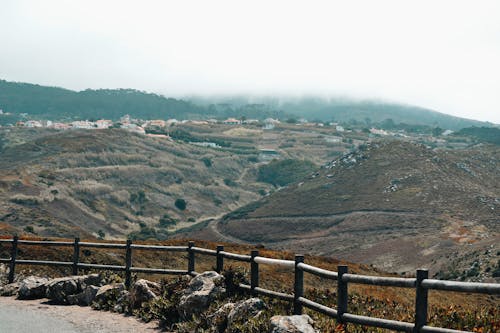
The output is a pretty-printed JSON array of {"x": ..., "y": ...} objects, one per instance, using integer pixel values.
[
  {"x": 113, "y": 183},
  {"x": 41, "y": 102},
  {"x": 345, "y": 110},
  {"x": 393, "y": 204},
  {"x": 58, "y": 103},
  {"x": 369, "y": 112}
]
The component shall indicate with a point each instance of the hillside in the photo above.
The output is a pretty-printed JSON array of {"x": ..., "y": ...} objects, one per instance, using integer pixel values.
[
  {"x": 392, "y": 204},
  {"x": 115, "y": 183},
  {"x": 42, "y": 102},
  {"x": 345, "y": 110}
]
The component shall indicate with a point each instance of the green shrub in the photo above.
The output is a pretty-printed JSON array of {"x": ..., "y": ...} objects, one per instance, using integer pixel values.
[
  {"x": 181, "y": 204},
  {"x": 101, "y": 234},
  {"x": 283, "y": 172},
  {"x": 230, "y": 182},
  {"x": 167, "y": 221},
  {"x": 29, "y": 229},
  {"x": 207, "y": 161}
]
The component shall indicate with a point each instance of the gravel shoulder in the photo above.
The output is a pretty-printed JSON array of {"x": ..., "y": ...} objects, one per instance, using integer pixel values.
[{"x": 39, "y": 316}]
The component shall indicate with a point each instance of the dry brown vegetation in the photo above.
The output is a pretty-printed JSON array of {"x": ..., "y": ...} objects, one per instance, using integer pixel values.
[{"x": 392, "y": 204}]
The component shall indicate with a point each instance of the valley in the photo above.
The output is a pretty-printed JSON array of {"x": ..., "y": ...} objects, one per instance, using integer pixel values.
[{"x": 396, "y": 203}]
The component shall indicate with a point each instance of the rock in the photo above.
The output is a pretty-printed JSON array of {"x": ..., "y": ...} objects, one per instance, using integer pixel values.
[
  {"x": 32, "y": 287},
  {"x": 84, "y": 298},
  {"x": 59, "y": 289},
  {"x": 245, "y": 310},
  {"x": 10, "y": 289},
  {"x": 122, "y": 303},
  {"x": 219, "y": 319},
  {"x": 202, "y": 289},
  {"x": 292, "y": 324},
  {"x": 4, "y": 273},
  {"x": 109, "y": 292},
  {"x": 91, "y": 280},
  {"x": 143, "y": 291}
]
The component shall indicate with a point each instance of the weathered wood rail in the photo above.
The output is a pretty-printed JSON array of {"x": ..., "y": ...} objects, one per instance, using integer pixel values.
[{"x": 422, "y": 284}]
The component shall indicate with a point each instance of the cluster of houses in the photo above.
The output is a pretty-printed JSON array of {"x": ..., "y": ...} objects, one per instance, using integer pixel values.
[
  {"x": 136, "y": 125},
  {"x": 125, "y": 122}
]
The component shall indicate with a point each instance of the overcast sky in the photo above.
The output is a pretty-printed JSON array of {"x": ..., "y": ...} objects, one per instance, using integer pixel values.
[{"x": 444, "y": 55}]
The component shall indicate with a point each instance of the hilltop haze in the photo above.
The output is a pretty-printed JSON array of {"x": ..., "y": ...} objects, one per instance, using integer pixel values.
[{"x": 41, "y": 102}]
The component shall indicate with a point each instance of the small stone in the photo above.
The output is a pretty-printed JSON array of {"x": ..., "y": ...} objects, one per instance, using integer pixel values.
[{"x": 292, "y": 324}]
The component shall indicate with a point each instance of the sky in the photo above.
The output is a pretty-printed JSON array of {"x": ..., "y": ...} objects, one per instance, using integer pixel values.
[{"x": 443, "y": 55}]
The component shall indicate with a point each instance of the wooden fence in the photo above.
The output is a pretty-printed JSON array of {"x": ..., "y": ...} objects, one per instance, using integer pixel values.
[{"x": 422, "y": 284}]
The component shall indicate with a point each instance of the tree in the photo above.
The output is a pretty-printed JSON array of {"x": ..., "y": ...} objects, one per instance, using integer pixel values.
[
  {"x": 437, "y": 131},
  {"x": 181, "y": 204},
  {"x": 101, "y": 234}
]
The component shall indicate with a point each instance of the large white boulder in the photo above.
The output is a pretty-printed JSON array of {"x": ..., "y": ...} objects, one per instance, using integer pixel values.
[{"x": 202, "y": 290}]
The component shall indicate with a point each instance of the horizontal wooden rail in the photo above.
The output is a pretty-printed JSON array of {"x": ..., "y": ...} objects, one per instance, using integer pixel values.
[
  {"x": 274, "y": 262},
  {"x": 42, "y": 243},
  {"x": 103, "y": 245},
  {"x": 159, "y": 248},
  {"x": 466, "y": 287},
  {"x": 204, "y": 251},
  {"x": 234, "y": 256},
  {"x": 272, "y": 293},
  {"x": 421, "y": 284},
  {"x": 431, "y": 329},
  {"x": 318, "y": 307},
  {"x": 380, "y": 280},
  {"x": 377, "y": 322},
  {"x": 318, "y": 271},
  {"x": 158, "y": 271},
  {"x": 42, "y": 262},
  {"x": 245, "y": 286}
]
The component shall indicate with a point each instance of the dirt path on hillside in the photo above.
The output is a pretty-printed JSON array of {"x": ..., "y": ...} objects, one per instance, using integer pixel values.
[
  {"x": 214, "y": 225},
  {"x": 38, "y": 316}
]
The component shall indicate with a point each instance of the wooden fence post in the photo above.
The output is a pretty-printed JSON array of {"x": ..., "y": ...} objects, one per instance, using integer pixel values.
[
  {"x": 254, "y": 272},
  {"x": 219, "y": 266},
  {"x": 128, "y": 263},
  {"x": 421, "y": 300},
  {"x": 76, "y": 255},
  {"x": 341, "y": 292},
  {"x": 13, "y": 255},
  {"x": 298, "y": 289},
  {"x": 190, "y": 257}
]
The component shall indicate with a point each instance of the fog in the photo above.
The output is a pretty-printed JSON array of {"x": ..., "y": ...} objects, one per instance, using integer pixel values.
[{"x": 439, "y": 55}]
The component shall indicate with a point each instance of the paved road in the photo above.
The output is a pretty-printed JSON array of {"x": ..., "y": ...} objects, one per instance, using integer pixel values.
[
  {"x": 23, "y": 320},
  {"x": 38, "y": 317}
]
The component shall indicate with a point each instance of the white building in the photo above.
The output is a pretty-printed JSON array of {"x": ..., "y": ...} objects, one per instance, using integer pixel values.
[
  {"x": 83, "y": 124},
  {"x": 103, "y": 123},
  {"x": 33, "y": 123},
  {"x": 232, "y": 121}
]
